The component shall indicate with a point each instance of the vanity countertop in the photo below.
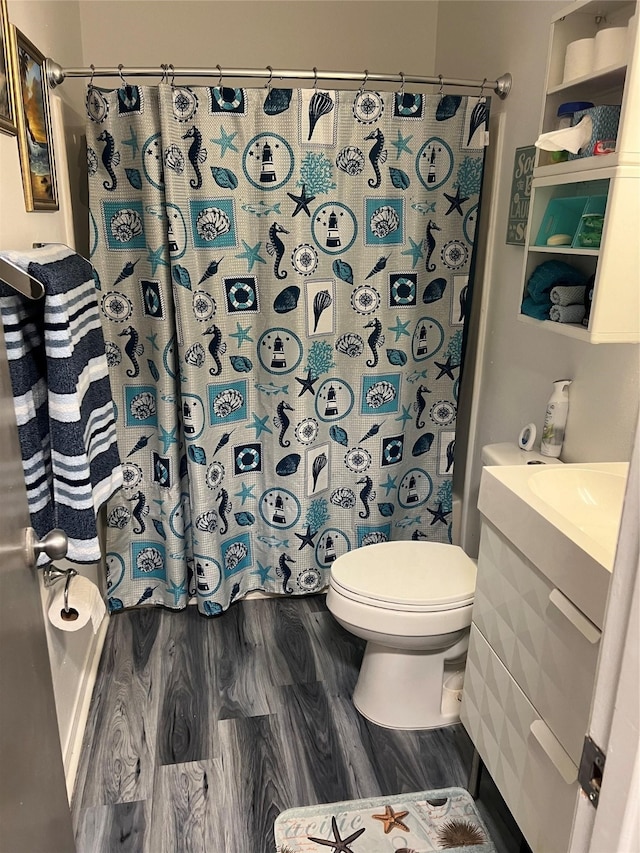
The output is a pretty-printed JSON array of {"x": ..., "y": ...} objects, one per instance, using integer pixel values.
[{"x": 564, "y": 519}]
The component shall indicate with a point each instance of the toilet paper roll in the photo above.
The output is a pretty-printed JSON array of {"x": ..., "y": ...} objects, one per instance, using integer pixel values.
[
  {"x": 578, "y": 59},
  {"x": 85, "y": 605},
  {"x": 610, "y": 47}
]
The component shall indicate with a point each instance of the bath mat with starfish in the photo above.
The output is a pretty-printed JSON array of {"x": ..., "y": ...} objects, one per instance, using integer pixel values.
[{"x": 446, "y": 819}]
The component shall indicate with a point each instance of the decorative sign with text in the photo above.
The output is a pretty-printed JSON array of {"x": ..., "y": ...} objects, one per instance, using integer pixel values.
[{"x": 520, "y": 194}]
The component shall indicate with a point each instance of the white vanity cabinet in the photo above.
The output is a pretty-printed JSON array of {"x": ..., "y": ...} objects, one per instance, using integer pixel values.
[
  {"x": 547, "y": 549},
  {"x": 610, "y": 181},
  {"x": 527, "y": 693}
]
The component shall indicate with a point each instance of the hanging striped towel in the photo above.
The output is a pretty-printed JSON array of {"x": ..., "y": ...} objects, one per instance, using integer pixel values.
[{"x": 62, "y": 397}]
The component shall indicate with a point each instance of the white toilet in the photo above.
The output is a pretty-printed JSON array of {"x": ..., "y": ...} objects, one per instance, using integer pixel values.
[{"x": 411, "y": 601}]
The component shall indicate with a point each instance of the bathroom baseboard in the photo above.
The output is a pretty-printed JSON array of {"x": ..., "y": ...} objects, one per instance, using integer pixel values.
[{"x": 73, "y": 746}]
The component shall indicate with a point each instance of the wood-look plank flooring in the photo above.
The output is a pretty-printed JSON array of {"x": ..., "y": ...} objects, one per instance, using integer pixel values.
[{"x": 201, "y": 731}]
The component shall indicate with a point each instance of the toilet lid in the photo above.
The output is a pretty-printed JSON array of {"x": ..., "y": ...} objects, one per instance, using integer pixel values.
[{"x": 429, "y": 575}]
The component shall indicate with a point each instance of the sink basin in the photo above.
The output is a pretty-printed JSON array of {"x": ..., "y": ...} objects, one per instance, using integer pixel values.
[{"x": 588, "y": 498}]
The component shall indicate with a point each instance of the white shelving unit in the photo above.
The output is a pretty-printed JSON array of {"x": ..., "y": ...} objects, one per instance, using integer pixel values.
[{"x": 615, "y": 309}]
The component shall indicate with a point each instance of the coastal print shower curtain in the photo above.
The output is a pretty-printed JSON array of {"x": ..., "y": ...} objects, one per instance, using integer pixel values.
[{"x": 282, "y": 279}]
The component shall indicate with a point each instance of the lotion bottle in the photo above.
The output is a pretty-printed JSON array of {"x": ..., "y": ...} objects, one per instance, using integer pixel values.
[{"x": 555, "y": 419}]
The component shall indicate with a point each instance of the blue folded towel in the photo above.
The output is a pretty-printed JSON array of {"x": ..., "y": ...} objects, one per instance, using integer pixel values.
[
  {"x": 548, "y": 274},
  {"x": 535, "y": 309},
  {"x": 62, "y": 398}
]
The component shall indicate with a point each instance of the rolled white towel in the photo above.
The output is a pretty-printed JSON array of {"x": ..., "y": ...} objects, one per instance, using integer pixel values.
[
  {"x": 567, "y": 313},
  {"x": 567, "y": 294}
]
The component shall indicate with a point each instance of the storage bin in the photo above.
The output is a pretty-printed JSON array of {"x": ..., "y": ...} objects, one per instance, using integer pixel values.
[
  {"x": 562, "y": 216},
  {"x": 605, "y": 120}
]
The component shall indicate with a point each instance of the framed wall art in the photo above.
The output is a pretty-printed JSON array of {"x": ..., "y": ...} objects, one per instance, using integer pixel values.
[
  {"x": 7, "y": 113},
  {"x": 520, "y": 193},
  {"x": 34, "y": 124}
]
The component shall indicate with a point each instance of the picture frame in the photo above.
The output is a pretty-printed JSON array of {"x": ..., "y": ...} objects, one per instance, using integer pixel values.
[
  {"x": 522, "y": 175},
  {"x": 7, "y": 110},
  {"x": 33, "y": 120}
]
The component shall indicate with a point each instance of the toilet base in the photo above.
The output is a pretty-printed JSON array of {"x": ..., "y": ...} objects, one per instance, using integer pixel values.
[{"x": 403, "y": 689}]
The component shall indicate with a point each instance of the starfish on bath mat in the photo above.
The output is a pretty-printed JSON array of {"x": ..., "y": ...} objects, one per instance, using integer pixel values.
[
  {"x": 339, "y": 845},
  {"x": 392, "y": 820}
]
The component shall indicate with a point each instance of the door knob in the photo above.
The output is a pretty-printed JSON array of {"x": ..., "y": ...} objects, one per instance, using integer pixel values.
[{"x": 54, "y": 545}]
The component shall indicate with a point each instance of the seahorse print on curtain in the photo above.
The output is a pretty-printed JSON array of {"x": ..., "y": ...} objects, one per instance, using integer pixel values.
[{"x": 281, "y": 275}]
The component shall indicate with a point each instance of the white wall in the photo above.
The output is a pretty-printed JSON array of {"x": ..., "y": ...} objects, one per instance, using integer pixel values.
[
  {"x": 483, "y": 38},
  {"x": 54, "y": 27},
  {"x": 347, "y": 35}
]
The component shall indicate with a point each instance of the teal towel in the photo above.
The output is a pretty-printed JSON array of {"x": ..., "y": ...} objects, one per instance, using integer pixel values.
[
  {"x": 548, "y": 274},
  {"x": 540, "y": 311}
]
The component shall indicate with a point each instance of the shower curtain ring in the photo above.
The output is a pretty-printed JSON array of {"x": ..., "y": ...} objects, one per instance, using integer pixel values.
[
  {"x": 315, "y": 78},
  {"x": 163, "y": 68},
  {"x": 267, "y": 85},
  {"x": 401, "y": 93},
  {"x": 173, "y": 74},
  {"x": 441, "y": 90},
  {"x": 124, "y": 82},
  {"x": 219, "y": 77},
  {"x": 482, "y": 97},
  {"x": 93, "y": 71},
  {"x": 364, "y": 82}
]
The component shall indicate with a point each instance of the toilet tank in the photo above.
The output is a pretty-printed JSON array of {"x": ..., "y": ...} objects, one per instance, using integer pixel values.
[{"x": 509, "y": 453}]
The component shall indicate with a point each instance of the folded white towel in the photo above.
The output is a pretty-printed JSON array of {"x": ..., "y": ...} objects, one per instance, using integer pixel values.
[
  {"x": 567, "y": 313},
  {"x": 567, "y": 294}
]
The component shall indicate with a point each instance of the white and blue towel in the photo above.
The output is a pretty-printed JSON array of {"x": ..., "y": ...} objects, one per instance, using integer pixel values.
[{"x": 62, "y": 397}]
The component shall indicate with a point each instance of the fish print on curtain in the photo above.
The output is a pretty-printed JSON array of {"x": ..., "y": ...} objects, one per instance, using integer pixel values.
[{"x": 282, "y": 279}]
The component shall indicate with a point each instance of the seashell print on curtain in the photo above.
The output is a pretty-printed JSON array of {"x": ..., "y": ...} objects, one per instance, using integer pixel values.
[{"x": 282, "y": 276}]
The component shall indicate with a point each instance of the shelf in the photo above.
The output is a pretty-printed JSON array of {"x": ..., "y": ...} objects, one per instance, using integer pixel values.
[
  {"x": 583, "y": 164},
  {"x": 605, "y": 78},
  {"x": 569, "y": 330},
  {"x": 590, "y": 8},
  {"x": 580, "y": 333},
  {"x": 563, "y": 250},
  {"x": 609, "y": 184}
]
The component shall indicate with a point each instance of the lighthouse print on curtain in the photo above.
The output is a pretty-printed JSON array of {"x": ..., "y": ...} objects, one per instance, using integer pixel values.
[{"x": 282, "y": 279}]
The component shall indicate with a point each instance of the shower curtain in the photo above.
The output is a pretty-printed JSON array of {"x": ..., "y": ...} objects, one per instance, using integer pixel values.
[{"x": 283, "y": 276}]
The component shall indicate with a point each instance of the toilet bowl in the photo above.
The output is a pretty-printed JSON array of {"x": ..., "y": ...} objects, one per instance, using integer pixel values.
[{"x": 411, "y": 601}]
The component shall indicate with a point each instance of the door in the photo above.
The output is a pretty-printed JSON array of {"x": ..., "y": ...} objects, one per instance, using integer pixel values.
[{"x": 34, "y": 811}]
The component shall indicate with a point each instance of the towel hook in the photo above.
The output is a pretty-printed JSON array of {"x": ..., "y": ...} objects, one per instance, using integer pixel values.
[
  {"x": 441, "y": 88},
  {"x": 219, "y": 76},
  {"x": 124, "y": 82},
  {"x": 267, "y": 85},
  {"x": 315, "y": 78},
  {"x": 364, "y": 82},
  {"x": 401, "y": 93}
]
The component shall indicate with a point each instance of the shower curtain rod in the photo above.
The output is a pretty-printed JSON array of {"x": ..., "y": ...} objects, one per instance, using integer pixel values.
[{"x": 57, "y": 75}]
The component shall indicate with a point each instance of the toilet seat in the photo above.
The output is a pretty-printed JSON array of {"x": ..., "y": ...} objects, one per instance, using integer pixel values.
[{"x": 406, "y": 576}]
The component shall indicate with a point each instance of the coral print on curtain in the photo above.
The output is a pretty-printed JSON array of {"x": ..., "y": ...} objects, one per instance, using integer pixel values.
[{"x": 282, "y": 279}]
